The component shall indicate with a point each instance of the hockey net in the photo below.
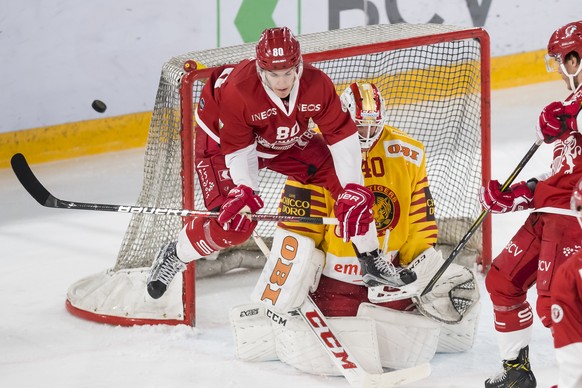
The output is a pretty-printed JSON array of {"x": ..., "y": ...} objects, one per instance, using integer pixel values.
[{"x": 435, "y": 81}]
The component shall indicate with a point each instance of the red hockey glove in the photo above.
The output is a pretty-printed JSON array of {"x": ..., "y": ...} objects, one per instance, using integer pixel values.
[
  {"x": 353, "y": 209},
  {"x": 557, "y": 118},
  {"x": 240, "y": 199},
  {"x": 518, "y": 197}
]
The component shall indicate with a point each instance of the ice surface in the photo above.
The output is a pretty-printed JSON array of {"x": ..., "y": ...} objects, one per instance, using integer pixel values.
[{"x": 46, "y": 250}]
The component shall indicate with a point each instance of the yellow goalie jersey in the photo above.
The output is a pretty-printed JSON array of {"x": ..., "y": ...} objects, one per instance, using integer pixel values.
[{"x": 395, "y": 170}]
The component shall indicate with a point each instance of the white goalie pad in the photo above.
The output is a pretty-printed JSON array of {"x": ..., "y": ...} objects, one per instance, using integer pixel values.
[
  {"x": 297, "y": 346},
  {"x": 452, "y": 297},
  {"x": 292, "y": 270},
  {"x": 459, "y": 337},
  {"x": 124, "y": 294},
  {"x": 425, "y": 266},
  {"x": 405, "y": 339},
  {"x": 253, "y": 335}
]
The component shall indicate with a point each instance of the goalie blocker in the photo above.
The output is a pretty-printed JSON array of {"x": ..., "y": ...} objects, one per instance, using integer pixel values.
[{"x": 270, "y": 329}]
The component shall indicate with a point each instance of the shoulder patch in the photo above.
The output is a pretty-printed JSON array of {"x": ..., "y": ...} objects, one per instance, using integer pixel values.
[{"x": 398, "y": 148}]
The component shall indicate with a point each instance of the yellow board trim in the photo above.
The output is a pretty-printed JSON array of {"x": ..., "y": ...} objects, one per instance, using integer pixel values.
[
  {"x": 72, "y": 140},
  {"x": 130, "y": 131}
]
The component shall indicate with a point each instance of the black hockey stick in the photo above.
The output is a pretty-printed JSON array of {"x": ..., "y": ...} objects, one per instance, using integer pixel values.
[
  {"x": 31, "y": 183},
  {"x": 479, "y": 220}
]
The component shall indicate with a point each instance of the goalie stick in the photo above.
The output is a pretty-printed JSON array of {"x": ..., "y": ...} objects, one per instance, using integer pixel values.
[
  {"x": 31, "y": 183},
  {"x": 341, "y": 357}
]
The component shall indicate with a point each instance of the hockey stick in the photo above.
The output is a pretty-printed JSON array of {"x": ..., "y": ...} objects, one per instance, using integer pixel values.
[
  {"x": 575, "y": 96},
  {"x": 341, "y": 357},
  {"x": 31, "y": 183},
  {"x": 479, "y": 220}
]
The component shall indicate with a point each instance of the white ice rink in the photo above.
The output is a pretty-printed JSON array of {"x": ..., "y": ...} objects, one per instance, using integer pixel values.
[{"x": 45, "y": 250}]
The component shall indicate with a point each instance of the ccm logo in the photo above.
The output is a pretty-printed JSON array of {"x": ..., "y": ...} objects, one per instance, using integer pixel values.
[
  {"x": 329, "y": 339},
  {"x": 282, "y": 268}
]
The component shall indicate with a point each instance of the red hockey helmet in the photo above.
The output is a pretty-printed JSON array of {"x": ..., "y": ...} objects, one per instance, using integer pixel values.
[
  {"x": 576, "y": 201},
  {"x": 563, "y": 41},
  {"x": 278, "y": 49}
]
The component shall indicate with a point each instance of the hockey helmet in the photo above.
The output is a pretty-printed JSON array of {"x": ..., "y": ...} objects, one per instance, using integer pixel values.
[
  {"x": 366, "y": 106},
  {"x": 563, "y": 41},
  {"x": 278, "y": 49}
]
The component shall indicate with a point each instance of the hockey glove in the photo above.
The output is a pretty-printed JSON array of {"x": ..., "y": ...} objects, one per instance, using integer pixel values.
[
  {"x": 518, "y": 197},
  {"x": 557, "y": 118},
  {"x": 353, "y": 209},
  {"x": 239, "y": 200}
]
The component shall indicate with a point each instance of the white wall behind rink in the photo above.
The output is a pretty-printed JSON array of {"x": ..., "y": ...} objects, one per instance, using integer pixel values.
[{"x": 57, "y": 56}]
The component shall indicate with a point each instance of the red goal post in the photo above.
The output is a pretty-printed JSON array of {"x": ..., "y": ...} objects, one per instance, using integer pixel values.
[{"x": 436, "y": 85}]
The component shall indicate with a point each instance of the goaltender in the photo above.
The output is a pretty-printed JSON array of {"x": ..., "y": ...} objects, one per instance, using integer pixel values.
[{"x": 400, "y": 329}]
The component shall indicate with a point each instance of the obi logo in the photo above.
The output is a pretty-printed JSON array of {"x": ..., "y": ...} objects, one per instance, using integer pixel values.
[
  {"x": 400, "y": 149},
  {"x": 282, "y": 269}
]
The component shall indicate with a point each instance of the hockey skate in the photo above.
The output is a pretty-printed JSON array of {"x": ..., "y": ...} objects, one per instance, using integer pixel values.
[
  {"x": 378, "y": 271},
  {"x": 165, "y": 267},
  {"x": 515, "y": 373}
]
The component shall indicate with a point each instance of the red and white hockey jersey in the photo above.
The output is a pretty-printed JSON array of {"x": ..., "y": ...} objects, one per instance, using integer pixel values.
[
  {"x": 251, "y": 114},
  {"x": 556, "y": 189}
]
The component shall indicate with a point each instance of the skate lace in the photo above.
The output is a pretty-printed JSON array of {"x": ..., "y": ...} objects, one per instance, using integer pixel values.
[
  {"x": 384, "y": 265},
  {"x": 499, "y": 377},
  {"x": 507, "y": 366},
  {"x": 169, "y": 268}
]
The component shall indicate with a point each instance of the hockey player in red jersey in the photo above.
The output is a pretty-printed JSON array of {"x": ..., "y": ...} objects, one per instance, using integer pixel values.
[
  {"x": 256, "y": 115},
  {"x": 546, "y": 240},
  {"x": 394, "y": 168},
  {"x": 566, "y": 301}
]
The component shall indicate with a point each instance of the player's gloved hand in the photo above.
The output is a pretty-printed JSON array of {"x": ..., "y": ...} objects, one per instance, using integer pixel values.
[
  {"x": 353, "y": 209},
  {"x": 518, "y": 197},
  {"x": 239, "y": 200},
  {"x": 556, "y": 118}
]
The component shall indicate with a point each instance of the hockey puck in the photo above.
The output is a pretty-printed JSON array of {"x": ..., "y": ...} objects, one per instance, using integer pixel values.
[{"x": 99, "y": 106}]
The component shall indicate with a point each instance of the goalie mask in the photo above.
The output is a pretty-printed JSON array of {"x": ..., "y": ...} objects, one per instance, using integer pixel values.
[
  {"x": 565, "y": 40},
  {"x": 576, "y": 202},
  {"x": 366, "y": 106}
]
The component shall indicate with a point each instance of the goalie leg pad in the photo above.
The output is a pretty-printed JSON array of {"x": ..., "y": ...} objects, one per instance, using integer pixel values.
[
  {"x": 405, "y": 339},
  {"x": 298, "y": 347},
  {"x": 459, "y": 337},
  {"x": 254, "y": 339},
  {"x": 292, "y": 270},
  {"x": 452, "y": 297}
]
